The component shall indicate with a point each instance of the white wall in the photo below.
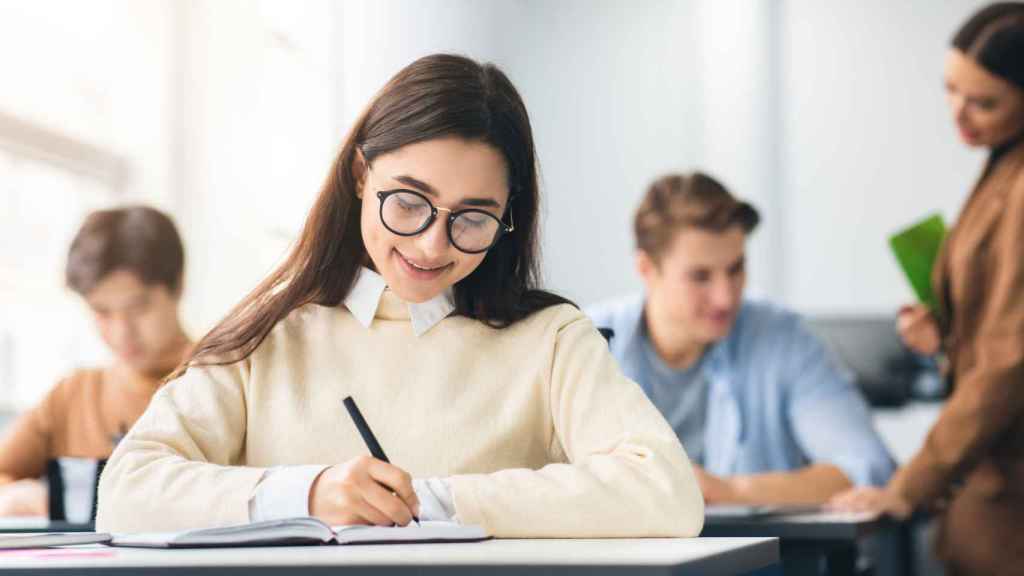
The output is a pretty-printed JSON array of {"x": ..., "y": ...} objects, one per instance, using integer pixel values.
[
  {"x": 611, "y": 90},
  {"x": 97, "y": 72},
  {"x": 374, "y": 40},
  {"x": 738, "y": 55},
  {"x": 867, "y": 144},
  {"x": 256, "y": 140}
]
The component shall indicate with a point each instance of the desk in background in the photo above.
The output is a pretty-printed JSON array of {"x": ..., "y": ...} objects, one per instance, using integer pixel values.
[
  {"x": 641, "y": 557},
  {"x": 810, "y": 542},
  {"x": 22, "y": 525}
]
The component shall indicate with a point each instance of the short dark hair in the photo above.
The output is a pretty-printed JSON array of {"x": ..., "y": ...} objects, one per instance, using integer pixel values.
[
  {"x": 139, "y": 239},
  {"x": 994, "y": 38},
  {"x": 679, "y": 201}
]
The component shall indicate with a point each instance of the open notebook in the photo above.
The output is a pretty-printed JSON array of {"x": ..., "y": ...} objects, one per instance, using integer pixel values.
[{"x": 302, "y": 531}]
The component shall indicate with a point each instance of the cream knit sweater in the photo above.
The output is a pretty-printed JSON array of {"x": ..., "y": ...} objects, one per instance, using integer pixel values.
[{"x": 535, "y": 428}]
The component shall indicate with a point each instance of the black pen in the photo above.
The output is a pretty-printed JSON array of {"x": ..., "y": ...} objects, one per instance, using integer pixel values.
[{"x": 364, "y": 430}]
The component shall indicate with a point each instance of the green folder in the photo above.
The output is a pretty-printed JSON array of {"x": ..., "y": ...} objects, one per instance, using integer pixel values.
[{"x": 916, "y": 249}]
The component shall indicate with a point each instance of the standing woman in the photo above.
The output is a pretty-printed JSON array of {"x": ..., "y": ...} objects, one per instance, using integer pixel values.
[
  {"x": 972, "y": 463},
  {"x": 413, "y": 288}
]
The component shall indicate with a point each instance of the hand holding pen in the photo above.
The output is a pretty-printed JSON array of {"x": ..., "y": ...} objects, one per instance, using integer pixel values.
[{"x": 364, "y": 490}]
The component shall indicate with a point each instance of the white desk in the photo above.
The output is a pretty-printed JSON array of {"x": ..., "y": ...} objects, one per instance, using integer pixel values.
[{"x": 633, "y": 556}]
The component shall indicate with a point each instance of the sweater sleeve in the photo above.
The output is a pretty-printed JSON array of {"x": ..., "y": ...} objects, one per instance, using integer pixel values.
[
  {"x": 178, "y": 468},
  {"x": 989, "y": 394},
  {"x": 627, "y": 474}
]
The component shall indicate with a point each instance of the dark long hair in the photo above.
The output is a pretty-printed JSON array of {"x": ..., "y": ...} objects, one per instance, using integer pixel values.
[
  {"x": 994, "y": 38},
  {"x": 435, "y": 96}
]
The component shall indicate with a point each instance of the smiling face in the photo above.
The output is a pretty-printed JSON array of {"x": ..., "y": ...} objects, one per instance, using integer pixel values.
[
  {"x": 698, "y": 282},
  {"x": 453, "y": 174},
  {"x": 988, "y": 110}
]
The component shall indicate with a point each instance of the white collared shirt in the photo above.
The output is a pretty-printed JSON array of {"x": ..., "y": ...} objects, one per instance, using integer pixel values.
[
  {"x": 283, "y": 492},
  {"x": 364, "y": 298}
]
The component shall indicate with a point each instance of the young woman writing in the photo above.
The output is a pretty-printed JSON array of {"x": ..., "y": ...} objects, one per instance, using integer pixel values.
[{"x": 413, "y": 288}]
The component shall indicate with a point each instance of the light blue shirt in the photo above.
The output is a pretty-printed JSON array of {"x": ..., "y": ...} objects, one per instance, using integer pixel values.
[
  {"x": 777, "y": 399},
  {"x": 680, "y": 395}
]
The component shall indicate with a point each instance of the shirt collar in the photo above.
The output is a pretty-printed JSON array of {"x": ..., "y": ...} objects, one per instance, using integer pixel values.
[{"x": 363, "y": 299}]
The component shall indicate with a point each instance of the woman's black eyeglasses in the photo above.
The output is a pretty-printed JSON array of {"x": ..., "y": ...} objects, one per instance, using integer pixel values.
[{"x": 408, "y": 213}]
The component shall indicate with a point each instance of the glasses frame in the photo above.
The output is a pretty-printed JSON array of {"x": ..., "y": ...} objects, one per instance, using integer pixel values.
[{"x": 502, "y": 230}]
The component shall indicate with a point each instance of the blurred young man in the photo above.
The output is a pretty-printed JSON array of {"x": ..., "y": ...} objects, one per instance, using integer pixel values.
[
  {"x": 754, "y": 397},
  {"x": 127, "y": 265}
]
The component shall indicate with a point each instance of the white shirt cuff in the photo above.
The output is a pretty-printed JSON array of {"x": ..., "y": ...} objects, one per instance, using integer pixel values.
[
  {"x": 435, "y": 496},
  {"x": 283, "y": 492}
]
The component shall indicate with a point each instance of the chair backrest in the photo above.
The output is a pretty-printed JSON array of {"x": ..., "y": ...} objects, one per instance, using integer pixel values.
[{"x": 61, "y": 487}]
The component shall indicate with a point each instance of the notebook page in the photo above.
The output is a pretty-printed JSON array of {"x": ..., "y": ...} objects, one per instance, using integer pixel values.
[
  {"x": 22, "y": 541},
  {"x": 431, "y": 531},
  {"x": 291, "y": 530}
]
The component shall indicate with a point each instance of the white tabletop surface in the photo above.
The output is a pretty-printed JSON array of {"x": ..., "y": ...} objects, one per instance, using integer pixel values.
[{"x": 745, "y": 553}]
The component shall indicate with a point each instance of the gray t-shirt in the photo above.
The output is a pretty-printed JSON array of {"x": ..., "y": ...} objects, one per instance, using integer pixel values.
[{"x": 680, "y": 395}]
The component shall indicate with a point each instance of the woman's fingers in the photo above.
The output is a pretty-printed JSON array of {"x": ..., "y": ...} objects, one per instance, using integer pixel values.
[
  {"x": 856, "y": 500},
  {"x": 397, "y": 481},
  {"x": 389, "y": 505},
  {"x": 918, "y": 329},
  {"x": 364, "y": 490},
  {"x": 870, "y": 499},
  {"x": 913, "y": 316},
  {"x": 370, "y": 514}
]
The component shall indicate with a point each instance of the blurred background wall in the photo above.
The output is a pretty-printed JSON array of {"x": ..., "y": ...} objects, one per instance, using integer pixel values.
[{"x": 829, "y": 115}]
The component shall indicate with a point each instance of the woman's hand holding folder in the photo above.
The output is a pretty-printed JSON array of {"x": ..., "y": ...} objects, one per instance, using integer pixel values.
[
  {"x": 364, "y": 490},
  {"x": 919, "y": 330}
]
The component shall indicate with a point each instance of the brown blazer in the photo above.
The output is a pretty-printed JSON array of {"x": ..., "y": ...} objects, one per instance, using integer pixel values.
[{"x": 972, "y": 462}]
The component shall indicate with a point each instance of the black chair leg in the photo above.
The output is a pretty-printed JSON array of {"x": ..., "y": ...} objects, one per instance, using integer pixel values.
[{"x": 56, "y": 491}]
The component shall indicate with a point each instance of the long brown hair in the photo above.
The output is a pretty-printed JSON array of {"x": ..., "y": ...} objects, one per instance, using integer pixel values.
[
  {"x": 435, "y": 96},
  {"x": 994, "y": 38}
]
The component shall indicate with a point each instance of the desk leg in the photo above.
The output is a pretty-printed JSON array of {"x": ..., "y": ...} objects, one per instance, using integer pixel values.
[
  {"x": 841, "y": 561},
  {"x": 801, "y": 559}
]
